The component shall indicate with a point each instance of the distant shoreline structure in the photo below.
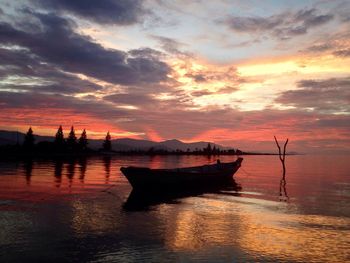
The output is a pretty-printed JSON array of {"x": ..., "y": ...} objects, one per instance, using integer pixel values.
[
  {"x": 30, "y": 145},
  {"x": 39, "y": 155}
]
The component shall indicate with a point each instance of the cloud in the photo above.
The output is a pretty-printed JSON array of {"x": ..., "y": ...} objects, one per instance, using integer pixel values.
[
  {"x": 342, "y": 53},
  {"x": 205, "y": 74},
  {"x": 146, "y": 53},
  {"x": 131, "y": 99},
  {"x": 335, "y": 44},
  {"x": 282, "y": 26},
  {"x": 54, "y": 41},
  {"x": 328, "y": 95},
  {"x": 320, "y": 47},
  {"x": 23, "y": 71},
  {"x": 170, "y": 45},
  {"x": 246, "y": 130},
  {"x": 224, "y": 90},
  {"x": 115, "y": 12}
]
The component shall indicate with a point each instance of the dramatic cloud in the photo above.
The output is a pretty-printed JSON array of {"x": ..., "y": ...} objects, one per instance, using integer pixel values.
[
  {"x": 54, "y": 41},
  {"x": 119, "y": 12},
  {"x": 337, "y": 45},
  {"x": 342, "y": 53},
  {"x": 99, "y": 65},
  {"x": 23, "y": 71},
  {"x": 320, "y": 47},
  {"x": 210, "y": 75},
  {"x": 131, "y": 99},
  {"x": 170, "y": 45},
  {"x": 330, "y": 95},
  {"x": 146, "y": 53},
  {"x": 225, "y": 90},
  {"x": 282, "y": 26}
]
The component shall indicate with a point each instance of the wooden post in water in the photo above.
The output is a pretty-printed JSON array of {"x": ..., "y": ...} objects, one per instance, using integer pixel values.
[{"x": 282, "y": 156}]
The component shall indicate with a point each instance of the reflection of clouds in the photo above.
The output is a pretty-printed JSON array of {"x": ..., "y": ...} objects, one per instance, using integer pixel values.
[
  {"x": 258, "y": 230},
  {"x": 92, "y": 217},
  {"x": 12, "y": 225},
  {"x": 209, "y": 223},
  {"x": 289, "y": 236}
]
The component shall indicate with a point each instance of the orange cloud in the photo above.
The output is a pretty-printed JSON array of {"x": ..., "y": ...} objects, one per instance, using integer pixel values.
[
  {"x": 153, "y": 135},
  {"x": 46, "y": 122}
]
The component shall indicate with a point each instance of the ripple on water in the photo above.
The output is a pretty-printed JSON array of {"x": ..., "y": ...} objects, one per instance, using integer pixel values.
[{"x": 74, "y": 209}]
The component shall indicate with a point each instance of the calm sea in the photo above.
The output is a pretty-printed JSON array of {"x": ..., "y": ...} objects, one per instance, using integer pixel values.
[{"x": 78, "y": 210}]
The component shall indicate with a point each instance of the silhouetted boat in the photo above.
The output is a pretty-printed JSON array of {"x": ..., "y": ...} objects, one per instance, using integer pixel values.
[
  {"x": 140, "y": 200},
  {"x": 180, "y": 178}
]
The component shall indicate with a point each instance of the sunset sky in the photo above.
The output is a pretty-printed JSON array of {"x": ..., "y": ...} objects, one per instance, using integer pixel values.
[{"x": 232, "y": 72}]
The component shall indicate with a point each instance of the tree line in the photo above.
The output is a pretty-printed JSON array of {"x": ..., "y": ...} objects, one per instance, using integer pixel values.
[
  {"x": 62, "y": 144},
  {"x": 73, "y": 144}
]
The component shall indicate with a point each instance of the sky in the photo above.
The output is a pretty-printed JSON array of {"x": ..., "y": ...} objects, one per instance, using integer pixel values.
[{"x": 231, "y": 72}]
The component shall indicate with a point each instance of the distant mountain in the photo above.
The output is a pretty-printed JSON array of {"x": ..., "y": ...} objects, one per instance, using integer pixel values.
[
  {"x": 176, "y": 144},
  {"x": 12, "y": 137},
  {"x": 124, "y": 144}
]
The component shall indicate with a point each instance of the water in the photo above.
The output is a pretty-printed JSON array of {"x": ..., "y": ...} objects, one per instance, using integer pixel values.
[{"x": 74, "y": 210}]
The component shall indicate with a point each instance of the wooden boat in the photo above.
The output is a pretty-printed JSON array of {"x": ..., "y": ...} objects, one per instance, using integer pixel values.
[
  {"x": 141, "y": 200},
  {"x": 180, "y": 178}
]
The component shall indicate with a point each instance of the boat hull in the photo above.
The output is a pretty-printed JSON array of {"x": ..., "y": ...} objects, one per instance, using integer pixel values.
[
  {"x": 142, "y": 200},
  {"x": 181, "y": 178}
]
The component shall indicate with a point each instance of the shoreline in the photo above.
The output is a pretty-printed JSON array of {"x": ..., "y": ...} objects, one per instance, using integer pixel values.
[{"x": 21, "y": 156}]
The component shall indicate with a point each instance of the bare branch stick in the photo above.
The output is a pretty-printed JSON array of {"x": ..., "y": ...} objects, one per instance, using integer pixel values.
[
  {"x": 284, "y": 149},
  {"x": 279, "y": 148}
]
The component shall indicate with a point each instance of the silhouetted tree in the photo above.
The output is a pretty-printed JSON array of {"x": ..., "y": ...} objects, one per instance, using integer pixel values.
[
  {"x": 208, "y": 150},
  {"x": 29, "y": 139},
  {"x": 72, "y": 139},
  {"x": 59, "y": 138},
  {"x": 83, "y": 142},
  {"x": 107, "y": 144},
  {"x": 151, "y": 150}
]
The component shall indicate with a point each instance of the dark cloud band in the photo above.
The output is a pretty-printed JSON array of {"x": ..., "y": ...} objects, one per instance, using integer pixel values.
[{"x": 117, "y": 12}]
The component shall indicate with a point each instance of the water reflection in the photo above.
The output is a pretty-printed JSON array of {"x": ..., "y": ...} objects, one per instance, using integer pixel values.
[
  {"x": 283, "y": 186},
  {"x": 83, "y": 165},
  {"x": 220, "y": 225},
  {"x": 28, "y": 169},
  {"x": 58, "y": 167},
  {"x": 71, "y": 171},
  {"x": 283, "y": 190},
  {"x": 143, "y": 200},
  {"x": 107, "y": 167}
]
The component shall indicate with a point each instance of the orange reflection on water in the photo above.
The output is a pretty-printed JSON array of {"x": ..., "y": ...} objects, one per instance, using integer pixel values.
[
  {"x": 209, "y": 223},
  {"x": 259, "y": 229},
  {"x": 307, "y": 238}
]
